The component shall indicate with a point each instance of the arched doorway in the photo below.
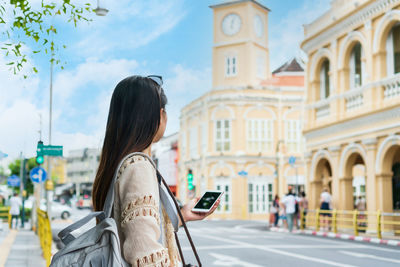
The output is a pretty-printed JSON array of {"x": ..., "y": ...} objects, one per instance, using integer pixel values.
[
  {"x": 359, "y": 185},
  {"x": 389, "y": 182},
  {"x": 353, "y": 171},
  {"x": 396, "y": 186},
  {"x": 322, "y": 180}
]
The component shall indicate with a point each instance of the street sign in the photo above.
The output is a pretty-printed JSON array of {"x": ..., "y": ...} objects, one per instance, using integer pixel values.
[
  {"x": 292, "y": 160},
  {"x": 38, "y": 175},
  {"x": 54, "y": 151},
  {"x": 3, "y": 155},
  {"x": 13, "y": 180},
  {"x": 243, "y": 173}
]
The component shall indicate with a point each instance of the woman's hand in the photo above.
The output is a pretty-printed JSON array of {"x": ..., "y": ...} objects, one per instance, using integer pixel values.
[{"x": 189, "y": 215}]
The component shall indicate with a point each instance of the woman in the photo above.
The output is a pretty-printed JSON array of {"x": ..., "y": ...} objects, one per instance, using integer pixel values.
[
  {"x": 275, "y": 204},
  {"x": 304, "y": 207},
  {"x": 137, "y": 119},
  {"x": 326, "y": 202}
]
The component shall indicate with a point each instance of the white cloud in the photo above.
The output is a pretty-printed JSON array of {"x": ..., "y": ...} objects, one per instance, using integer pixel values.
[
  {"x": 20, "y": 106},
  {"x": 142, "y": 21},
  {"x": 184, "y": 86},
  {"x": 92, "y": 71},
  {"x": 288, "y": 34}
]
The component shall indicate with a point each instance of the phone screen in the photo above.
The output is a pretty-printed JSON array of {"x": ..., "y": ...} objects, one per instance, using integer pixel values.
[{"x": 207, "y": 201}]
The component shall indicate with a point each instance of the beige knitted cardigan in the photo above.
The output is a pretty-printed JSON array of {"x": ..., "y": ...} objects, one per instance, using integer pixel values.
[{"x": 137, "y": 213}]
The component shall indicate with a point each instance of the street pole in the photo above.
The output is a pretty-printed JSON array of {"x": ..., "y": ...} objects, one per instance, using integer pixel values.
[
  {"x": 48, "y": 193},
  {"x": 277, "y": 165},
  {"x": 297, "y": 183},
  {"x": 22, "y": 189},
  {"x": 21, "y": 185}
]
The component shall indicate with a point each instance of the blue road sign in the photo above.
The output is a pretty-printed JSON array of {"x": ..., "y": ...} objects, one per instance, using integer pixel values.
[
  {"x": 292, "y": 160},
  {"x": 243, "y": 173},
  {"x": 13, "y": 180},
  {"x": 38, "y": 175},
  {"x": 3, "y": 155}
]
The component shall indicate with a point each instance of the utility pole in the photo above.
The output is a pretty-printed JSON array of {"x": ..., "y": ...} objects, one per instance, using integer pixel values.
[
  {"x": 49, "y": 181},
  {"x": 21, "y": 186},
  {"x": 40, "y": 129},
  {"x": 277, "y": 165}
]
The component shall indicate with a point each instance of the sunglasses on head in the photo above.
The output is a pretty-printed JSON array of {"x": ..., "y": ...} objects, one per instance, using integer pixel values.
[{"x": 157, "y": 79}]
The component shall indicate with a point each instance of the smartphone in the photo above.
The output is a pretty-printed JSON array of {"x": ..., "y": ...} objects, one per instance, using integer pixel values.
[{"x": 207, "y": 201}]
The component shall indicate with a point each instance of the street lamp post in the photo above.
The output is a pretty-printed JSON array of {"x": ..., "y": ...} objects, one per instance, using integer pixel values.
[
  {"x": 277, "y": 164},
  {"x": 99, "y": 10}
]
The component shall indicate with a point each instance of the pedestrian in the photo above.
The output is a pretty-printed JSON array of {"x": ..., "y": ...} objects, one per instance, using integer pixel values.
[
  {"x": 137, "y": 118},
  {"x": 289, "y": 204},
  {"x": 15, "y": 205},
  {"x": 282, "y": 216},
  {"x": 361, "y": 206},
  {"x": 303, "y": 207},
  {"x": 326, "y": 205},
  {"x": 275, "y": 204}
]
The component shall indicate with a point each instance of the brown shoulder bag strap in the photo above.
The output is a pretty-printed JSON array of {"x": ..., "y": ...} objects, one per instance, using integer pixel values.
[{"x": 183, "y": 223}]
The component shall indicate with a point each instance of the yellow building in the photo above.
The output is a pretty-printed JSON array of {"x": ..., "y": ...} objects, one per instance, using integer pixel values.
[
  {"x": 353, "y": 103},
  {"x": 58, "y": 169},
  {"x": 235, "y": 136}
]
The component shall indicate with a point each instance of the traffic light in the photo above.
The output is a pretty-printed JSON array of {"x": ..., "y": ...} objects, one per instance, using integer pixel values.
[
  {"x": 39, "y": 153},
  {"x": 190, "y": 180}
]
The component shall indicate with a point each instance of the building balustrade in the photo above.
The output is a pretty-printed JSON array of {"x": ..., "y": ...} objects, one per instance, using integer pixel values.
[
  {"x": 322, "y": 110},
  {"x": 354, "y": 98},
  {"x": 383, "y": 90},
  {"x": 391, "y": 87}
]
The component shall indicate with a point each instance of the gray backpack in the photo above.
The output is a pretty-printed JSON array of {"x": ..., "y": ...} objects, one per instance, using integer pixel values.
[{"x": 100, "y": 246}]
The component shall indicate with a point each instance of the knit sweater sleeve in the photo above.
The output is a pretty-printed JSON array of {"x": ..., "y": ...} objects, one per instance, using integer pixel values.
[{"x": 139, "y": 215}]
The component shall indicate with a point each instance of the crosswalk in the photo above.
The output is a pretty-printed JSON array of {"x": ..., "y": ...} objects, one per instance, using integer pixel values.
[{"x": 221, "y": 230}]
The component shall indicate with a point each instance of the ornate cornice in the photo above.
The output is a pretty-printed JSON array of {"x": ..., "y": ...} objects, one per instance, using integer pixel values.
[
  {"x": 354, "y": 21},
  {"x": 364, "y": 122}
]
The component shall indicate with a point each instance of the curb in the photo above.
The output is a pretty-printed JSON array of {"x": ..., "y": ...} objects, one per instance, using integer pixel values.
[{"x": 340, "y": 236}]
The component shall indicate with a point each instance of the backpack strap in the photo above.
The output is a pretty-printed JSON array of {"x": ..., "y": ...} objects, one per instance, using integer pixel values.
[
  {"x": 66, "y": 236},
  {"x": 108, "y": 203},
  {"x": 183, "y": 224}
]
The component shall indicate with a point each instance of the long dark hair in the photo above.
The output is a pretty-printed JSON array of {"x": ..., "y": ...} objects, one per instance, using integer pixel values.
[{"x": 133, "y": 121}]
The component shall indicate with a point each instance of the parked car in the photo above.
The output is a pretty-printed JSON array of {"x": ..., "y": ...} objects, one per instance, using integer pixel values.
[
  {"x": 58, "y": 210},
  {"x": 84, "y": 202}
]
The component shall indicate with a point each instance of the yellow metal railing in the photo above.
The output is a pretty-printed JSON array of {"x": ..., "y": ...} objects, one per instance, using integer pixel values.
[
  {"x": 5, "y": 214},
  {"x": 375, "y": 223},
  {"x": 45, "y": 236}
]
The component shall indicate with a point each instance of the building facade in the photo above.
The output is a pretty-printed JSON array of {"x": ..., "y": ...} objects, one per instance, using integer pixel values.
[
  {"x": 239, "y": 135},
  {"x": 352, "y": 125},
  {"x": 165, "y": 156},
  {"x": 82, "y": 166}
]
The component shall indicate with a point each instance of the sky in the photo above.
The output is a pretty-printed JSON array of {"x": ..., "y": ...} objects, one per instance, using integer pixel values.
[{"x": 169, "y": 38}]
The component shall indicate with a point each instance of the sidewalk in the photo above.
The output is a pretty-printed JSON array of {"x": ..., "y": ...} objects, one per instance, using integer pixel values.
[
  {"x": 20, "y": 248},
  {"x": 344, "y": 236}
]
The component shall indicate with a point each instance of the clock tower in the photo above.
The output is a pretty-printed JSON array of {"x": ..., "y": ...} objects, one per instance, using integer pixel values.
[{"x": 240, "y": 51}]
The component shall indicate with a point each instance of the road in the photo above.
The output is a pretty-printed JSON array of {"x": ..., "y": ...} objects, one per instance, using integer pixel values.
[
  {"x": 241, "y": 243},
  {"x": 250, "y": 244}
]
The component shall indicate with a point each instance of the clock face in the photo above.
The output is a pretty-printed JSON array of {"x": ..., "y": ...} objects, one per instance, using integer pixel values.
[
  {"x": 258, "y": 26},
  {"x": 231, "y": 24}
]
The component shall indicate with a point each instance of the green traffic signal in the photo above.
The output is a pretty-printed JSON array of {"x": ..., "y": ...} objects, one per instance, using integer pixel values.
[
  {"x": 39, "y": 153},
  {"x": 190, "y": 180},
  {"x": 39, "y": 160}
]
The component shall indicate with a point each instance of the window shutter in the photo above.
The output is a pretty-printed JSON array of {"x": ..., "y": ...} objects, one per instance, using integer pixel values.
[
  {"x": 352, "y": 69},
  {"x": 322, "y": 83},
  {"x": 389, "y": 55},
  {"x": 363, "y": 67}
]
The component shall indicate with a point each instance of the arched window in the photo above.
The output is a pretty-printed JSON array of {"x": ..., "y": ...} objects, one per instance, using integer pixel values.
[
  {"x": 356, "y": 66},
  {"x": 393, "y": 51},
  {"x": 324, "y": 80}
]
